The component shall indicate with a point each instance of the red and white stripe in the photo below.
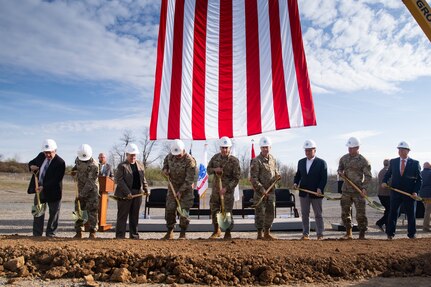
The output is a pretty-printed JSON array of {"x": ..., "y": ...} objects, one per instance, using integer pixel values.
[{"x": 229, "y": 68}]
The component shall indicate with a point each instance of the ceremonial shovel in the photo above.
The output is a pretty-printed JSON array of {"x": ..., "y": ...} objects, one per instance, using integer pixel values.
[
  {"x": 39, "y": 209},
  {"x": 181, "y": 212},
  {"x": 224, "y": 219},
  {"x": 264, "y": 194},
  {"x": 79, "y": 214},
  {"x": 417, "y": 198},
  {"x": 318, "y": 194},
  {"x": 374, "y": 204}
]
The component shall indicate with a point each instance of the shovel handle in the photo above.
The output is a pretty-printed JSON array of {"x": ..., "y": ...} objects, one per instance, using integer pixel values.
[
  {"x": 265, "y": 193},
  {"x": 36, "y": 186},
  {"x": 418, "y": 198},
  {"x": 221, "y": 195},
  {"x": 354, "y": 186},
  {"x": 309, "y": 191}
]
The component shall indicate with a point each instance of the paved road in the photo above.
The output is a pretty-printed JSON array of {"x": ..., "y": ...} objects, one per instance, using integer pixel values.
[{"x": 16, "y": 218}]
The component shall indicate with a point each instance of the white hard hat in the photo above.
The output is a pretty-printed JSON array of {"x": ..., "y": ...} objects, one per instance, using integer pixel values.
[
  {"x": 309, "y": 144},
  {"x": 49, "y": 145},
  {"x": 225, "y": 142},
  {"x": 177, "y": 147},
  {"x": 353, "y": 142},
  {"x": 265, "y": 141},
  {"x": 403, "y": 145},
  {"x": 85, "y": 152},
  {"x": 131, "y": 149}
]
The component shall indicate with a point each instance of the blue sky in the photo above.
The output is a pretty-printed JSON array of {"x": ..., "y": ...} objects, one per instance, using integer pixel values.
[{"x": 83, "y": 71}]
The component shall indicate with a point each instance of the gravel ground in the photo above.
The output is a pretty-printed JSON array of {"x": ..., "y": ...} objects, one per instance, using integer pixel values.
[{"x": 16, "y": 219}]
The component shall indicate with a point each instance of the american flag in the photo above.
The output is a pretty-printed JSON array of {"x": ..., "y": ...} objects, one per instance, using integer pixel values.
[{"x": 229, "y": 68}]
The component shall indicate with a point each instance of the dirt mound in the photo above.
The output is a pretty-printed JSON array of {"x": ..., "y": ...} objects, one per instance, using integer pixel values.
[{"x": 219, "y": 262}]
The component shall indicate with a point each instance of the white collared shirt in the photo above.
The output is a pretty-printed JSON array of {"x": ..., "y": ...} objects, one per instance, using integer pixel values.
[{"x": 309, "y": 163}]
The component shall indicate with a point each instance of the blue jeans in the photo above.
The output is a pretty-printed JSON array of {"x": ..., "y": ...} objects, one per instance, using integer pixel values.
[{"x": 410, "y": 209}]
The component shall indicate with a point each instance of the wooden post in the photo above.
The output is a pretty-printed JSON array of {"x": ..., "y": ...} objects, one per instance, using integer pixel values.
[{"x": 106, "y": 185}]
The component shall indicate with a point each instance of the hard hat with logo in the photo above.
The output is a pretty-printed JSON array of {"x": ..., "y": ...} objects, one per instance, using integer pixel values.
[
  {"x": 131, "y": 149},
  {"x": 265, "y": 141},
  {"x": 225, "y": 142},
  {"x": 403, "y": 145},
  {"x": 309, "y": 144},
  {"x": 85, "y": 152},
  {"x": 177, "y": 147},
  {"x": 49, "y": 145},
  {"x": 353, "y": 142}
]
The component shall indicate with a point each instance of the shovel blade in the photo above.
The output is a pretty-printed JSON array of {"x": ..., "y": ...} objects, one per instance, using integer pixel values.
[
  {"x": 182, "y": 212},
  {"x": 38, "y": 210},
  {"x": 224, "y": 220},
  {"x": 80, "y": 216}
]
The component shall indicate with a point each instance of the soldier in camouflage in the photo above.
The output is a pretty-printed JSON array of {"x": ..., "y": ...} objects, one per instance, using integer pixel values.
[
  {"x": 227, "y": 167},
  {"x": 263, "y": 173},
  {"x": 357, "y": 168},
  {"x": 180, "y": 167},
  {"x": 87, "y": 172}
]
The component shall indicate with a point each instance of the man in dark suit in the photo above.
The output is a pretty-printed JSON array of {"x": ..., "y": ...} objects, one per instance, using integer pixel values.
[
  {"x": 311, "y": 174},
  {"x": 405, "y": 174},
  {"x": 104, "y": 167},
  {"x": 51, "y": 169}
]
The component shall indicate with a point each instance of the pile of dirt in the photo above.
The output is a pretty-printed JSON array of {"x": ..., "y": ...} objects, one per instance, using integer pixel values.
[{"x": 217, "y": 262}]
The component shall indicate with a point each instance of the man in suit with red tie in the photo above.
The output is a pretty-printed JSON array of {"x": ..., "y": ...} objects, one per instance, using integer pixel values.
[
  {"x": 51, "y": 169},
  {"x": 405, "y": 175}
]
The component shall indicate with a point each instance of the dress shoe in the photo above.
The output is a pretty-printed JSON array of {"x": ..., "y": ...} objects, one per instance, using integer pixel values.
[
  {"x": 380, "y": 227},
  {"x": 305, "y": 237}
]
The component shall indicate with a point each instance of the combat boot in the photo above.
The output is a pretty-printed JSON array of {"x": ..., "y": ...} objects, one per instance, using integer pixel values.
[
  {"x": 227, "y": 235},
  {"x": 182, "y": 234},
  {"x": 92, "y": 235},
  {"x": 259, "y": 234},
  {"x": 348, "y": 235},
  {"x": 361, "y": 234},
  {"x": 78, "y": 234},
  {"x": 169, "y": 234},
  {"x": 267, "y": 235},
  {"x": 217, "y": 232}
]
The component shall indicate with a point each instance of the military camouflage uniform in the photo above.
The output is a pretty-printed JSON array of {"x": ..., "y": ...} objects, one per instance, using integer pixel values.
[
  {"x": 263, "y": 173},
  {"x": 230, "y": 179},
  {"x": 87, "y": 173},
  {"x": 182, "y": 174},
  {"x": 358, "y": 170}
]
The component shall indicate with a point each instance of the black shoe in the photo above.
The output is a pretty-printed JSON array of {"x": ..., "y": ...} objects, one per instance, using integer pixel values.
[
  {"x": 380, "y": 227},
  {"x": 412, "y": 237},
  {"x": 390, "y": 237}
]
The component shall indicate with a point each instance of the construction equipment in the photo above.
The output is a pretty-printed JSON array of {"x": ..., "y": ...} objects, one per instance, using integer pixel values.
[
  {"x": 39, "y": 208},
  {"x": 374, "y": 204},
  {"x": 224, "y": 219},
  {"x": 421, "y": 11}
]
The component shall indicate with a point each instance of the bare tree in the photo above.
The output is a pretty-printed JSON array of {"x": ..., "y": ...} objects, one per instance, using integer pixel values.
[
  {"x": 287, "y": 174},
  {"x": 147, "y": 148},
  {"x": 116, "y": 154}
]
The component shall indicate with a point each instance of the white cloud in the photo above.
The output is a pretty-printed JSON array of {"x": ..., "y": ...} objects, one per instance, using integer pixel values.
[
  {"x": 369, "y": 45},
  {"x": 75, "y": 39},
  {"x": 359, "y": 134}
]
